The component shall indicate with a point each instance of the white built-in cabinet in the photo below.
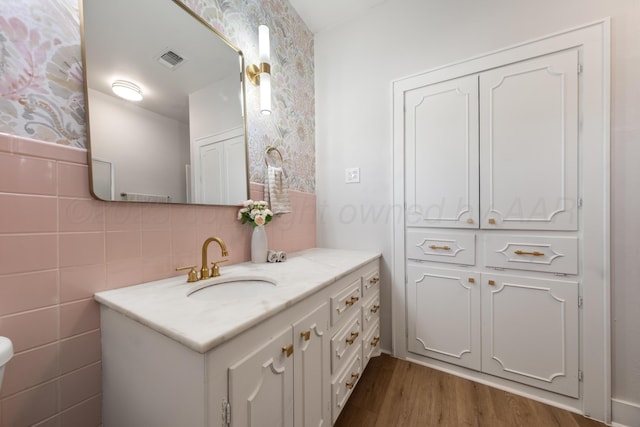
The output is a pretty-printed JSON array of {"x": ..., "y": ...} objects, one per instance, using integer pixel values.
[
  {"x": 296, "y": 368},
  {"x": 492, "y": 191}
]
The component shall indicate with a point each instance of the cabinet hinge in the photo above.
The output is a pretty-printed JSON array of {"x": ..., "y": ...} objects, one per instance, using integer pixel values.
[
  {"x": 580, "y": 202},
  {"x": 579, "y": 68},
  {"x": 226, "y": 413},
  {"x": 580, "y": 376},
  {"x": 580, "y": 301}
]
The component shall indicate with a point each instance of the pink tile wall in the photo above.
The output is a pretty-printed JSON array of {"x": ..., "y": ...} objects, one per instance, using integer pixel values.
[{"x": 58, "y": 247}]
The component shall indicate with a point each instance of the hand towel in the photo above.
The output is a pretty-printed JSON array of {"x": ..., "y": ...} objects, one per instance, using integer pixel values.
[
  {"x": 282, "y": 256},
  {"x": 272, "y": 256},
  {"x": 275, "y": 191}
]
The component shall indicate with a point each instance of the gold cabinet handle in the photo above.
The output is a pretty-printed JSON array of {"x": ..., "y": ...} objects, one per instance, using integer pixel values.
[
  {"x": 353, "y": 337},
  {"x": 534, "y": 253},
  {"x": 374, "y": 280},
  {"x": 375, "y": 308},
  {"x": 472, "y": 280},
  {"x": 288, "y": 350},
  {"x": 492, "y": 282},
  {"x": 352, "y": 301},
  {"x": 354, "y": 379},
  {"x": 492, "y": 220},
  {"x": 374, "y": 341},
  {"x": 469, "y": 221},
  {"x": 444, "y": 248},
  {"x": 305, "y": 335},
  {"x": 193, "y": 274}
]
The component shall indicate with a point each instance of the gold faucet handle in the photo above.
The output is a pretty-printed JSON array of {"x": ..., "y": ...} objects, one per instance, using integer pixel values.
[
  {"x": 215, "y": 269},
  {"x": 193, "y": 274}
]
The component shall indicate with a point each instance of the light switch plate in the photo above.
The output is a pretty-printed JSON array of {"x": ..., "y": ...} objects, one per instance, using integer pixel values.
[{"x": 351, "y": 175}]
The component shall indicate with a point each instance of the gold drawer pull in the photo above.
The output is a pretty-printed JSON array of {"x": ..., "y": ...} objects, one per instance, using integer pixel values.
[
  {"x": 375, "y": 308},
  {"x": 354, "y": 377},
  {"x": 305, "y": 335},
  {"x": 444, "y": 248},
  {"x": 288, "y": 350},
  {"x": 492, "y": 220},
  {"x": 352, "y": 301},
  {"x": 353, "y": 337},
  {"x": 534, "y": 253},
  {"x": 492, "y": 283},
  {"x": 374, "y": 341},
  {"x": 374, "y": 280}
]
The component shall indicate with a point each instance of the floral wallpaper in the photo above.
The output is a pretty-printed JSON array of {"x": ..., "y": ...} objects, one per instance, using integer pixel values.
[{"x": 41, "y": 87}]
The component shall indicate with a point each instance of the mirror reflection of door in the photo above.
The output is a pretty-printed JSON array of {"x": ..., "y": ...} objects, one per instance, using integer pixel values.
[
  {"x": 103, "y": 179},
  {"x": 219, "y": 177}
]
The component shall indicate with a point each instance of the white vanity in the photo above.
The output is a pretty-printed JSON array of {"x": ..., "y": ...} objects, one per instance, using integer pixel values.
[{"x": 278, "y": 344}]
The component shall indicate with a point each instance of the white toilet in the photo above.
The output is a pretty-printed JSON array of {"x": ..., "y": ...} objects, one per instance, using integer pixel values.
[{"x": 6, "y": 353}]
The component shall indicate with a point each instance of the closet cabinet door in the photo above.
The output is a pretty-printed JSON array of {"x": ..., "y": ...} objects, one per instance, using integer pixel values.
[
  {"x": 444, "y": 314},
  {"x": 529, "y": 144},
  {"x": 441, "y": 137},
  {"x": 530, "y": 331}
]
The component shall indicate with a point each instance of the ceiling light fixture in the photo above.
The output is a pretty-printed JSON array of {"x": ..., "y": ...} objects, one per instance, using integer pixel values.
[
  {"x": 261, "y": 75},
  {"x": 127, "y": 90}
]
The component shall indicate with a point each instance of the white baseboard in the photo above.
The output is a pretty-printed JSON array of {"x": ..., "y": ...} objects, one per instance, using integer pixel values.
[{"x": 625, "y": 414}]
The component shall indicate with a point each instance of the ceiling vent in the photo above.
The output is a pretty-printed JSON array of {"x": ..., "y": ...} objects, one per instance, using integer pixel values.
[{"x": 171, "y": 59}]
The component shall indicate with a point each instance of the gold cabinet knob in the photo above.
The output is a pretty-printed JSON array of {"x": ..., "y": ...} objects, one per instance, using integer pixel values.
[
  {"x": 288, "y": 350},
  {"x": 472, "y": 280},
  {"x": 492, "y": 282},
  {"x": 375, "y": 308},
  {"x": 374, "y": 341},
  {"x": 306, "y": 335},
  {"x": 492, "y": 221},
  {"x": 469, "y": 220}
]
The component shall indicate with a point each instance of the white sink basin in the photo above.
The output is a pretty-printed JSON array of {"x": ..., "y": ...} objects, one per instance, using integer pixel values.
[
  {"x": 6, "y": 352},
  {"x": 228, "y": 288}
]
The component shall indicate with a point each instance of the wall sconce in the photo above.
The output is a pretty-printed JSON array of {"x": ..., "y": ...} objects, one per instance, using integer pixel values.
[
  {"x": 261, "y": 75},
  {"x": 127, "y": 90}
]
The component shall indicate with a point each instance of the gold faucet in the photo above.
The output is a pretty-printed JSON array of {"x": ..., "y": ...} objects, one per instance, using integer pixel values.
[{"x": 204, "y": 271}]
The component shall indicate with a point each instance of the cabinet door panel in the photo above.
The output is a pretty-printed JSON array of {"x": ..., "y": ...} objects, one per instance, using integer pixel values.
[
  {"x": 261, "y": 386},
  {"x": 444, "y": 314},
  {"x": 530, "y": 331},
  {"x": 529, "y": 144},
  {"x": 311, "y": 369},
  {"x": 441, "y": 131}
]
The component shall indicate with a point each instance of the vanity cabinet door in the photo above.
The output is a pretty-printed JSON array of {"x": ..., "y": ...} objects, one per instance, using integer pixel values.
[
  {"x": 261, "y": 385},
  {"x": 311, "y": 369}
]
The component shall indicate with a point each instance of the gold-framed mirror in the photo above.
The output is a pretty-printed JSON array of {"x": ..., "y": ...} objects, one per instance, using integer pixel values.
[{"x": 185, "y": 140}]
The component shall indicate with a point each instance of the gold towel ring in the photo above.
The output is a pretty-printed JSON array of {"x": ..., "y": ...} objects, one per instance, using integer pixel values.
[{"x": 266, "y": 156}]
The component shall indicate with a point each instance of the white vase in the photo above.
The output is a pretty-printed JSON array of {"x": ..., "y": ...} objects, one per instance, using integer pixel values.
[{"x": 259, "y": 246}]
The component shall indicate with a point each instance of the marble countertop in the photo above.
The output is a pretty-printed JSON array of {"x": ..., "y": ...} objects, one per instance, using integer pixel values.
[{"x": 165, "y": 305}]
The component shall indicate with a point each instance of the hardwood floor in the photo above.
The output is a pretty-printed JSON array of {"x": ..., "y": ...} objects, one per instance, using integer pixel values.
[{"x": 394, "y": 392}]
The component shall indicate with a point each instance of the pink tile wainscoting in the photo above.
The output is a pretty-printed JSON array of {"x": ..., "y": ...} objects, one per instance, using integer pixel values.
[{"x": 58, "y": 247}]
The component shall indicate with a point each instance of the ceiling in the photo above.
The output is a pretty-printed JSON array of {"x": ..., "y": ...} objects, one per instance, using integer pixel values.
[{"x": 320, "y": 15}]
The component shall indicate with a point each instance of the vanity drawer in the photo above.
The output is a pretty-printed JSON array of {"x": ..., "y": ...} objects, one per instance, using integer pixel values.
[
  {"x": 346, "y": 301},
  {"x": 535, "y": 253},
  {"x": 453, "y": 248},
  {"x": 371, "y": 343},
  {"x": 370, "y": 283},
  {"x": 344, "y": 343},
  {"x": 370, "y": 312},
  {"x": 342, "y": 387}
]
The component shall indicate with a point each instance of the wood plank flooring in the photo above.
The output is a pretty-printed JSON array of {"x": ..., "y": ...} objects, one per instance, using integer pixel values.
[{"x": 394, "y": 392}]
